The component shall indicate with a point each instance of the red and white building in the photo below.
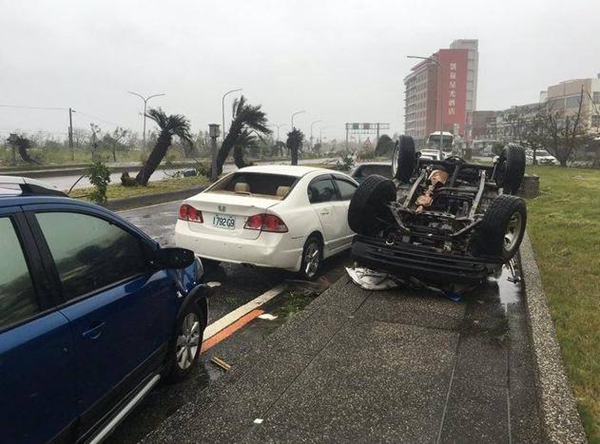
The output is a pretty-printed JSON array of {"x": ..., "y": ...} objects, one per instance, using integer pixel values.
[{"x": 458, "y": 81}]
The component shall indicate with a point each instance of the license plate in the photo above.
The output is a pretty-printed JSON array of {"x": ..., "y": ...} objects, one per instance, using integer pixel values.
[{"x": 224, "y": 221}]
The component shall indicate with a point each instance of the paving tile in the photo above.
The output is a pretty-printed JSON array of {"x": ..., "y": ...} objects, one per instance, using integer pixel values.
[
  {"x": 477, "y": 412},
  {"x": 414, "y": 308},
  {"x": 374, "y": 382}
]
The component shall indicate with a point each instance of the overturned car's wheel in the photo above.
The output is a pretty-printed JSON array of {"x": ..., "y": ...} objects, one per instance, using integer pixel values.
[
  {"x": 511, "y": 168},
  {"x": 368, "y": 211},
  {"x": 404, "y": 159},
  {"x": 502, "y": 228}
]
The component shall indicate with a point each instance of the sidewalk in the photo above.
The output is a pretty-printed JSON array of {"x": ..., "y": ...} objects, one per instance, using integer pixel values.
[{"x": 392, "y": 366}]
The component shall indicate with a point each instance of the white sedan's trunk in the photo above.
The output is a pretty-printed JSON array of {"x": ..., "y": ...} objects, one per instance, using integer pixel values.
[{"x": 225, "y": 214}]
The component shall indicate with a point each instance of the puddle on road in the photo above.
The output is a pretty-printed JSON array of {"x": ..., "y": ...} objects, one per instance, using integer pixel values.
[{"x": 509, "y": 290}]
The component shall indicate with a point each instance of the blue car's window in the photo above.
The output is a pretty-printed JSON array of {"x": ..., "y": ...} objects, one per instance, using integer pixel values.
[
  {"x": 90, "y": 253},
  {"x": 17, "y": 296}
]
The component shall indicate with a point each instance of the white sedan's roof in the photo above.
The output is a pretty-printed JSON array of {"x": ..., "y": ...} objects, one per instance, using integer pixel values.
[{"x": 288, "y": 170}]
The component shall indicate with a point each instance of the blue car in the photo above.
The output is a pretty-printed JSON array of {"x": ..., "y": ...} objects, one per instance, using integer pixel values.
[{"x": 93, "y": 314}]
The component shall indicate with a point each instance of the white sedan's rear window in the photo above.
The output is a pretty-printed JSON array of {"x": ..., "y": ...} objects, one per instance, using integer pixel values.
[{"x": 276, "y": 186}]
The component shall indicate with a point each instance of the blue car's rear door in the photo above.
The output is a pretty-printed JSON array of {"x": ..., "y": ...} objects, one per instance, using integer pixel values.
[
  {"x": 121, "y": 313},
  {"x": 37, "y": 397}
]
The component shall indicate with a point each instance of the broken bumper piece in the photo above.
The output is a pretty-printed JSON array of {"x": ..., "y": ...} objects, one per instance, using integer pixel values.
[{"x": 404, "y": 259}]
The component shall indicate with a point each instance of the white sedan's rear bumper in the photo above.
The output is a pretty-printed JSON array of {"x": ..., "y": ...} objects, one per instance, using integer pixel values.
[{"x": 277, "y": 250}]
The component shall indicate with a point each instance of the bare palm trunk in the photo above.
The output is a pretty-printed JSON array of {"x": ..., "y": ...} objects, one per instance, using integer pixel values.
[
  {"x": 227, "y": 145},
  {"x": 156, "y": 156},
  {"x": 294, "y": 153},
  {"x": 25, "y": 155},
  {"x": 238, "y": 157}
]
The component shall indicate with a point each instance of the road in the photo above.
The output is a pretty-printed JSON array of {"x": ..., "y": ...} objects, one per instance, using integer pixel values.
[
  {"x": 65, "y": 182},
  {"x": 239, "y": 284}
]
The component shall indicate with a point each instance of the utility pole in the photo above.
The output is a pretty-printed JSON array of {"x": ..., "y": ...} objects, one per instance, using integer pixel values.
[
  {"x": 347, "y": 127},
  {"x": 311, "y": 132},
  {"x": 223, "y": 107},
  {"x": 145, "y": 99},
  {"x": 213, "y": 132},
  {"x": 71, "y": 134}
]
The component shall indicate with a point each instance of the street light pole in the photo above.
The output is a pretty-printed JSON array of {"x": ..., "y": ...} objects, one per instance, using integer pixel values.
[
  {"x": 278, "y": 126},
  {"x": 297, "y": 112},
  {"x": 311, "y": 132},
  {"x": 223, "y": 107},
  {"x": 441, "y": 95},
  {"x": 145, "y": 99}
]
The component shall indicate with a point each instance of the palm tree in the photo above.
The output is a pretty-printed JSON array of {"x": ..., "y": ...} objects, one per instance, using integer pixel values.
[
  {"x": 246, "y": 142},
  {"x": 294, "y": 142},
  {"x": 22, "y": 144},
  {"x": 246, "y": 118},
  {"x": 170, "y": 126}
]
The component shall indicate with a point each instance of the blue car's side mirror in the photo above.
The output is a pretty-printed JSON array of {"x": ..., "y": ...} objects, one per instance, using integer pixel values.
[{"x": 171, "y": 258}]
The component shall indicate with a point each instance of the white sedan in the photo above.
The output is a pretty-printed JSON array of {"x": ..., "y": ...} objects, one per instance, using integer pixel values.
[{"x": 281, "y": 216}]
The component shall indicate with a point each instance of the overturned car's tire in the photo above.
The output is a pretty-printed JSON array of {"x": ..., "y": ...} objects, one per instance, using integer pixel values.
[
  {"x": 368, "y": 209},
  {"x": 502, "y": 228},
  {"x": 511, "y": 168},
  {"x": 404, "y": 159}
]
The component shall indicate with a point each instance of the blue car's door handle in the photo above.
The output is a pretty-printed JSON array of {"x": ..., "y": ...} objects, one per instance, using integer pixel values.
[{"x": 94, "y": 332}]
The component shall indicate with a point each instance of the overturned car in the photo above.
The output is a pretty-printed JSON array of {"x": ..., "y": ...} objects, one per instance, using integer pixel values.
[{"x": 445, "y": 221}]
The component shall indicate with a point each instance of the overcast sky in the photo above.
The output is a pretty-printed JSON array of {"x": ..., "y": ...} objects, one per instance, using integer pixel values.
[{"x": 341, "y": 60}]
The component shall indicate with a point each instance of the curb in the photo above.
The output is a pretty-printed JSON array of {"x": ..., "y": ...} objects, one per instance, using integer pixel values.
[
  {"x": 560, "y": 418},
  {"x": 152, "y": 199}
]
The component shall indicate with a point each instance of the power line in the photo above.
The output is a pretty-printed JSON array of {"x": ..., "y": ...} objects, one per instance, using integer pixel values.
[
  {"x": 94, "y": 117},
  {"x": 34, "y": 107}
]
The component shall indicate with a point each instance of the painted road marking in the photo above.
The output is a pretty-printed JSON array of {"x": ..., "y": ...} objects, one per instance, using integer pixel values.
[
  {"x": 242, "y": 310},
  {"x": 229, "y": 330},
  {"x": 239, "y": 314}
]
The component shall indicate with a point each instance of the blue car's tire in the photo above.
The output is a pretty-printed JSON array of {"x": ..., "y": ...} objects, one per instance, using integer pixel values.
[{"x": 186, "y": 343}]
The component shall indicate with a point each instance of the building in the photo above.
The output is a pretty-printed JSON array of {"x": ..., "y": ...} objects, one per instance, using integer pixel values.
[
  {"x": 458, "y": 82},
  {"x": 562, "y": 97},
  {"x": 566, "y": 96}
]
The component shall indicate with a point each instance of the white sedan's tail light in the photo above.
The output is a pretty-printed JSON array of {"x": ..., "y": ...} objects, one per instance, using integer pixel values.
[
  {"x": 190, "y": 214},
  {"x": 266, "y": 222}
]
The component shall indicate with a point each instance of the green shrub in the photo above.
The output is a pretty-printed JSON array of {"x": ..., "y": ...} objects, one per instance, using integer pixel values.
[{"x": 99, "y": 175}]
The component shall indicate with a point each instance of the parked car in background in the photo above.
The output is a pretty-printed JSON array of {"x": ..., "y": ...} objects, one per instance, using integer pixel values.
[
  {"x": 93, "y": 314},
  {"x": 364, "y": 170},
  {"x": 280, "y": 216},
  {"x": 431, "y": 154},
  {"x": 542, "y": 157}
]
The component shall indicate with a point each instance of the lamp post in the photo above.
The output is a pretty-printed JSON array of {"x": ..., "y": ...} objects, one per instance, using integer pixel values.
[
  {"x": 145, "y": 99},
  {"x": 278, "y": 126},
  {"x": 223, "y": 106},
  {"x": 311, "y": 132},
  {"x": 441, "y": 94},
  {"x": 213, "y": 132},
  {"x": 296, "y": 113}
]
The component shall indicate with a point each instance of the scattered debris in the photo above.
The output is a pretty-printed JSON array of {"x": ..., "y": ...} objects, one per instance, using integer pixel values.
[
  {"x": 376, "y": 281},
  {"x": 267, "y": 317},
  {"x": 371, "y": 280},
  {"x": 220, "y": 363}
]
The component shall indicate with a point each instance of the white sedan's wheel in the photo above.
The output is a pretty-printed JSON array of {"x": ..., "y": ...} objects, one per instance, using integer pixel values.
[{"x": 311, "y": 259}]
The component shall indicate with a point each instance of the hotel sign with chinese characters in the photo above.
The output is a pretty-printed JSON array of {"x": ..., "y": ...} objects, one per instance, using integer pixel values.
[{"x": 454, "y": 81}]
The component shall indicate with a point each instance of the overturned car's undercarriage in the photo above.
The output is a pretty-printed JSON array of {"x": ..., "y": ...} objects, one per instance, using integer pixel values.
[{"x": 444, "y": 221}]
